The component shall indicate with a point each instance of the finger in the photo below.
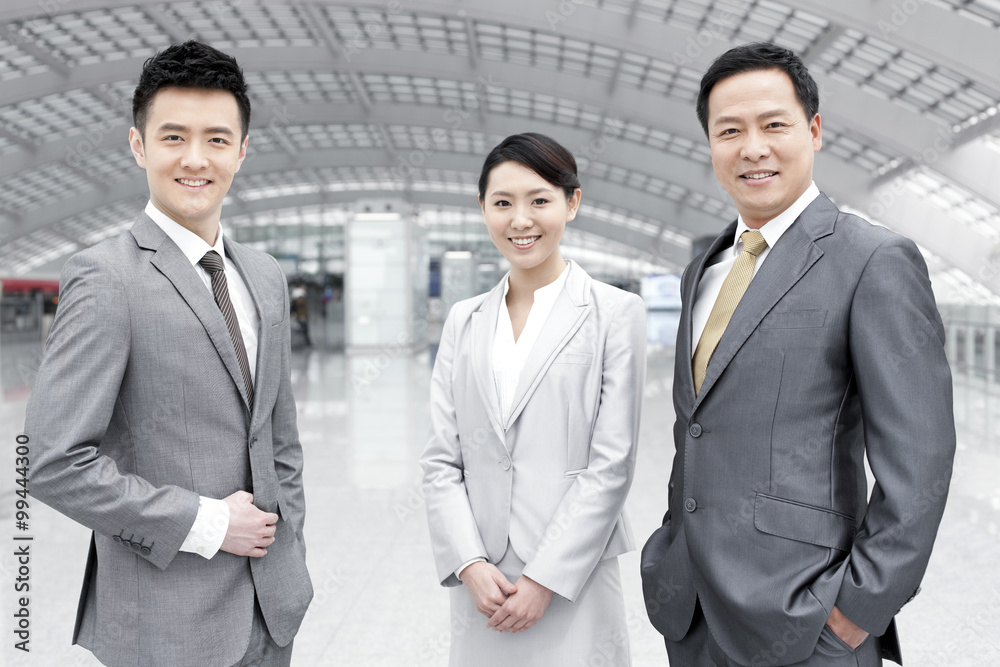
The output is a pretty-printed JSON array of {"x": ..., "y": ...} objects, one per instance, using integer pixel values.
[
  {"x": 271, "y": 518},
  {"x": 498, "y": 617},
  {"x": 508, "y": 623},
  {"x": 505, "y": 585},
  {"x": 523, "y": 627}
]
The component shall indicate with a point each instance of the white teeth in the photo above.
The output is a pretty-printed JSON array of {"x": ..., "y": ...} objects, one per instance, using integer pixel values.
[
  {"x": 193, "y": 184},
  {"x": 528, "y": 241},
  {"x": 759, "y": 176}
]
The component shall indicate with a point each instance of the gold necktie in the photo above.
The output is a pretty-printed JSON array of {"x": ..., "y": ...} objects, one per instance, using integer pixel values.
[{"x": 733, "y": 287}]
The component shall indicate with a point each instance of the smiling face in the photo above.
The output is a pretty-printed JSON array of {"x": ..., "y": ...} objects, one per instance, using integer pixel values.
[
  {"x": 526, "y": 216},
  {"x": 191, "y": 151},
  {"x": 762, "y": 143}
]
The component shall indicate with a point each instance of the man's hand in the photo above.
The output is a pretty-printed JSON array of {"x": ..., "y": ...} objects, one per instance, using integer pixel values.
[
  {"x": 844, "y": 628},
  {"x": 487, "y": 587},
  {"x": 522, "y": 609},
  {"x": 250, "y": 530}
]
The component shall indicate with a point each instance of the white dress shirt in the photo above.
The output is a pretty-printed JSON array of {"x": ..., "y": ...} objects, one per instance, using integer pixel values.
[
  {"x": 212, "y": 521},
  {"x": 719, "y": 265},
  {"x": 509, "y": 356}
]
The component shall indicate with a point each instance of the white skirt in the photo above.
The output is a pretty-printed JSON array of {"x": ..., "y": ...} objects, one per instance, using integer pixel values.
[{"x": 590, "y": 632}]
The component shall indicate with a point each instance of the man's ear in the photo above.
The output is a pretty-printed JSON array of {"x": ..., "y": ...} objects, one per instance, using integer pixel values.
[
  {"x": 243, "y": 151},
  {"x": 816, "y": 130},
  {"x": 138, "y": 150}
]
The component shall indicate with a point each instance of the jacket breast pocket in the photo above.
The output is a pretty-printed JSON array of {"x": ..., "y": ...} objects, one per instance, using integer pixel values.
[
  {"x": 794, "y": 319},
  {"x": 803, "y": 523},
  {"x": 575, "y": 359}
]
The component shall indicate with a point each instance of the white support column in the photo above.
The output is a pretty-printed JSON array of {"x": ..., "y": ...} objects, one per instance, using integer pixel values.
[{"x": 385, "y": 282}]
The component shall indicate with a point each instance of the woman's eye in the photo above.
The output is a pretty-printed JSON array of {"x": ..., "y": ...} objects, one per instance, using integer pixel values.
[
  {"x": 540, "y": 201},
  {"x": 502, "y": 202}
]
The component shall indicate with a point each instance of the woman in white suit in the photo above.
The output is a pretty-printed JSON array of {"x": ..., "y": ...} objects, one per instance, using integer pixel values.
[{"x": 535, "y": 401}]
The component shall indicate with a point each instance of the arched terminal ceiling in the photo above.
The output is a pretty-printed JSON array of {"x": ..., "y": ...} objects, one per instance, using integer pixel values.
[{"x": 615, "y": 62}]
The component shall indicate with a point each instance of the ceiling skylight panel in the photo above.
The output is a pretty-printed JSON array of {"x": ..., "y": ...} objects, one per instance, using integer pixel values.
[
  {"x": 15, "y": 63},
  {"x": 109, "y": 166}
]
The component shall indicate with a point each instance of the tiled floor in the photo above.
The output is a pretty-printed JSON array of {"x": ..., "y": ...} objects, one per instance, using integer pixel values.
[{"x": 363, "y": 423}]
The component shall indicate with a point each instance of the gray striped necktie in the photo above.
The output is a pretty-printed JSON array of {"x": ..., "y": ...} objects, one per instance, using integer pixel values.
[
  {"x": 733, "y": 287},
  {"x": 212, "y": 262}
]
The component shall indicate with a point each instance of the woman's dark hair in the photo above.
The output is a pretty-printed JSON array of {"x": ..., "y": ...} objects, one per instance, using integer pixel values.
[
  {"x": 190, "y": 65},
  {"x": 756, "y": 57},
  {"x": 539, "y": 153}
]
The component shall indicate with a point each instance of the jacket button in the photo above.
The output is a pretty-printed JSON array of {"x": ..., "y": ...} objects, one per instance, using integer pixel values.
[
  {"x": 695, "y": 430},
  {"x": 144, "y": 551},
  {"x": 117, "y": 538},
  {"x": 505, "y": 463},
  {"x": 690, "y": 504},
  {"x": 135, "y": 547}
]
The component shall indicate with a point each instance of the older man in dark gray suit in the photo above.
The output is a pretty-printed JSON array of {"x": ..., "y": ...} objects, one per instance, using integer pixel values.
[
  {"x": 809, "y": 339},
  {"x": 162, "y": 415}
]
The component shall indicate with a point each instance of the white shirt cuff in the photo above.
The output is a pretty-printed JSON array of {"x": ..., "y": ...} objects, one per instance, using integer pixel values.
[
  {"x": 467, "y": 564},
  {"x": 209, "y": 529}
]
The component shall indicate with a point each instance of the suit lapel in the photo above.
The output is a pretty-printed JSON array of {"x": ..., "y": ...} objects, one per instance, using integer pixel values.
[
  {"x": 685, "y": 340},
  {"x": 171, "y": 262},
  {"x": 567, "y": 316},
  {"x": 786, "y": 263},
  {"x": 484, "y": 323}
]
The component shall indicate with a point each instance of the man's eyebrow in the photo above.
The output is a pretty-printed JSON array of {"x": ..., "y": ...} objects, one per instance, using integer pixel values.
[
  {"x": 721, "y": 120},
  {"x": 175, "y": 127}
]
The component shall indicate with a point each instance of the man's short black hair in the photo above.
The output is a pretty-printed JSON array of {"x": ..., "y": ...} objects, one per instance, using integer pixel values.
[
  {"x": 756, "y": 57},
  {"x": 190, "y": 65}
]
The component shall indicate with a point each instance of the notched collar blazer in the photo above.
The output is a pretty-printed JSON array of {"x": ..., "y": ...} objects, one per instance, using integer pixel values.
[{"x": 552, "y": 477}]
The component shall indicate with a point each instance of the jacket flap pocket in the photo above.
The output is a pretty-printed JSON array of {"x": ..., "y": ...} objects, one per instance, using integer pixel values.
[
  {"x": 803, "y": 523},
  {"x": 573, "y": 358},
  {"x": 794, "y": 319}
]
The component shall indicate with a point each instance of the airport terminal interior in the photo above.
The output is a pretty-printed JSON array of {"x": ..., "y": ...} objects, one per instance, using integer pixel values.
[{"x": 371, "y": 120}]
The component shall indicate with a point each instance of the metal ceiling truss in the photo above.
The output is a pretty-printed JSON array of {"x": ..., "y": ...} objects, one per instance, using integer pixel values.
[{"x": 382, "y": 85}]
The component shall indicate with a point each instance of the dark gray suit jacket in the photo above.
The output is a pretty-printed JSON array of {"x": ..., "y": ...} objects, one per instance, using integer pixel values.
[
  {"x": 835, "y": 352},
  {"x": 138, "y": 409}
]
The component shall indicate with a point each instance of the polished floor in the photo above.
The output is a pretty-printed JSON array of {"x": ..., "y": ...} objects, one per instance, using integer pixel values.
[{"x": 363, "y": 422}]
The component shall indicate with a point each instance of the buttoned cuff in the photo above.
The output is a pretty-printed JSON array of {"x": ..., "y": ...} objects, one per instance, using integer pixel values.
[
  {"x": 209, "y": 529},
  {"x": 467, "y": 564}
]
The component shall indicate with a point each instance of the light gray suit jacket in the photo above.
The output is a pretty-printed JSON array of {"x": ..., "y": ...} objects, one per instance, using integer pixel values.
[
  {"x": 137, "y": 410},
  {"x": 552, "y": 478},
  {"x": 835, "y": 352}
]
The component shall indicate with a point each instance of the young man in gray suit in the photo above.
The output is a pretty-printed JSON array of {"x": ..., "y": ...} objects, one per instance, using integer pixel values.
[
  {"x": 163, "y": 417},
  {"x": 809, "y": 339}
]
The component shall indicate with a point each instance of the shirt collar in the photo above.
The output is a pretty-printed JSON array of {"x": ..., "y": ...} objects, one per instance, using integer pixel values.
[
  {"x": 548, "y": 292},
  {"x": 778, "y": 225},
  {"x": 193, "y": 246}
]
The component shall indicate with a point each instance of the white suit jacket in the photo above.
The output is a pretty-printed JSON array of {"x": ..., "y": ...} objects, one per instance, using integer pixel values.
[{"x": 552, "y": 479}]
